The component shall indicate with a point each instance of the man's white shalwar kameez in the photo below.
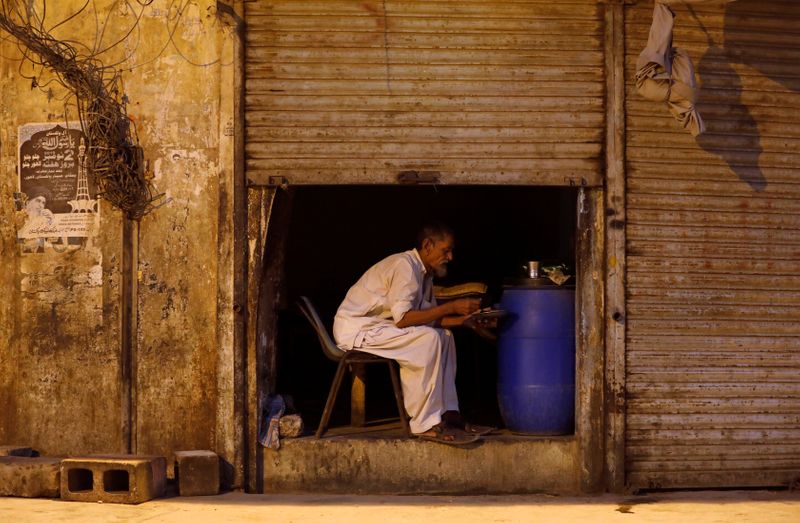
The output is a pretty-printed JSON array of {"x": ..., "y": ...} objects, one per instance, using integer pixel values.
[{"x": 366, "y": 321}]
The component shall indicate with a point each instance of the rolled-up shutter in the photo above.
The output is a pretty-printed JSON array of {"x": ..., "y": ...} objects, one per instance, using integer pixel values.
[
  {"x": 713, "y": 251},
  {"x": 376, "y": 91}
]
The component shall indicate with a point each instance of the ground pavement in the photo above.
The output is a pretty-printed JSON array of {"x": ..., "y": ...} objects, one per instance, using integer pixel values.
[{"x": 694, "y": 507}]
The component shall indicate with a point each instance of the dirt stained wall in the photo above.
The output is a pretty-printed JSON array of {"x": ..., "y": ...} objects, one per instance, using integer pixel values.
[
  {"x": 59, "y": 319},
  {"x": 61, "y": 385}
]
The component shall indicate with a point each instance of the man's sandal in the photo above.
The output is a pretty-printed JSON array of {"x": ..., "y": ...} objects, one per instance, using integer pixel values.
[
  {"x": 455, "y": 420},
  {"x": 478, "y": 430},
  {"x": 443, "y": 433}
]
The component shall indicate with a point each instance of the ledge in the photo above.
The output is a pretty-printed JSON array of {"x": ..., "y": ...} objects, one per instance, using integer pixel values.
[{"x": 382, "y": 461}]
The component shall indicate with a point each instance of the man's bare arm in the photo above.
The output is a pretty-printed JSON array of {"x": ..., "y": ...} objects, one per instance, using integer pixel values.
[
  {"x": 449, "y": 322},
  {"x": 456, "y": 309}
]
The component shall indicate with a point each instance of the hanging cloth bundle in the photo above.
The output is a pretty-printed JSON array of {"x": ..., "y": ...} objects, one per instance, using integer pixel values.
[{"x": 666, "y": 74}]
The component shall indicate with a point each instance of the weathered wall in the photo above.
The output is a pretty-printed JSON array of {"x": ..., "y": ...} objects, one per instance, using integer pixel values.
[
  {"x": 60, "y": 324},
  {"x": 177, "y": 110}
]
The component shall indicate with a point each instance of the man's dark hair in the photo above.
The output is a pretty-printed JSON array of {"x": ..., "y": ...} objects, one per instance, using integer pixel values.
[
  {"x": 36, "y": 191},
  {"x": 435, "y": 230}
]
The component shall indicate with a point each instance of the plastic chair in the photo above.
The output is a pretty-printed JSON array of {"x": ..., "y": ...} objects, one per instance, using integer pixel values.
[{"x": 346, "y": 359}]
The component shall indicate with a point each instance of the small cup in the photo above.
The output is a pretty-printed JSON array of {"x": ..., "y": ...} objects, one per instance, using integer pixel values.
[{"x": 533, "y": 269}]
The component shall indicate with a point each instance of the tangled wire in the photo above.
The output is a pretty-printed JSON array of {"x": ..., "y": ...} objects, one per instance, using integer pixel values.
[{"x": 114, "y": 156}]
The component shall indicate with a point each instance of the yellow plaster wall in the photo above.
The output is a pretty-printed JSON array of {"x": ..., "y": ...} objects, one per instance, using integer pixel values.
[{"x": 60, "y": 341}]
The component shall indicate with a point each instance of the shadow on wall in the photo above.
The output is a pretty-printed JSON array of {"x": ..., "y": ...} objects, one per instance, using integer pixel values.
[
  {"x": 744, "y": 47},
  {"x": 732, "y": 132}
]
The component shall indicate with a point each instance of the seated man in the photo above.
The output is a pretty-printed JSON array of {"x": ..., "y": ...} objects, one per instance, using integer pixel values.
[{"x": 391, "y": 312}]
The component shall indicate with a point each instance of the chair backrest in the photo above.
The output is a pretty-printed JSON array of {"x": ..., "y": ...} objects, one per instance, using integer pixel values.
[{"x": 328, "y": 346}]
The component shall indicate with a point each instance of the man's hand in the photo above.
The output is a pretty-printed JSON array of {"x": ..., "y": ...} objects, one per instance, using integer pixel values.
[
  {"x": 465, "y": 306},
  {"x": 481, "y": 326},
  {"x": 486, "y": 323}
]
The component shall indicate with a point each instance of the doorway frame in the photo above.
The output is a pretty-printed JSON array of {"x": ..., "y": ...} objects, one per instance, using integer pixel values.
[{"x": 268, "y": 209}]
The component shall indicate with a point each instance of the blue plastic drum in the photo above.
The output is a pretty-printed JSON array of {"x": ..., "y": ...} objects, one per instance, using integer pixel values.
[{"x": 536, "y": 360}]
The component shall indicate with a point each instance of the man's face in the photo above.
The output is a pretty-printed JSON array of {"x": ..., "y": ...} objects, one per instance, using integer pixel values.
[
  {"x": 35, "y": 205},
  {"x": 437, "y": 253}
]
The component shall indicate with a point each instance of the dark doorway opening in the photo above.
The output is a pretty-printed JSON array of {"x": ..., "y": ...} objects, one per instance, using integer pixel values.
[{"x": 335, "y": 233}]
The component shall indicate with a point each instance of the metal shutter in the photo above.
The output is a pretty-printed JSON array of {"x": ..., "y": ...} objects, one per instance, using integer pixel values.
[
  {"x": 713, "y": 295},
  {"x": 470, "y": 91}
]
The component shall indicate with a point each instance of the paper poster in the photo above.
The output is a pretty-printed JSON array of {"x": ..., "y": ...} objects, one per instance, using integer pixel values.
[{"x": 57, "y": 193}]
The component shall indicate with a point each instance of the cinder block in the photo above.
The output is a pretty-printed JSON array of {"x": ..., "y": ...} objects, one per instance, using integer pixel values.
[
  {"x": 197, "y": 472},
  {"x": 113, "y": 479},
  {"x": 15, "y": 450},
  {"x": 29, "y": 477}
]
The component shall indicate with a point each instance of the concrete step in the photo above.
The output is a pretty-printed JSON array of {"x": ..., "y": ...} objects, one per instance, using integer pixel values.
[
  {"x": 388, "y": 463},
  {"x": 28, "y": 477}
]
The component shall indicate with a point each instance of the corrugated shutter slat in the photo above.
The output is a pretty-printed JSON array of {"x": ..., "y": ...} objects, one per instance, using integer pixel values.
[{"x": 475, "y": 91}]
